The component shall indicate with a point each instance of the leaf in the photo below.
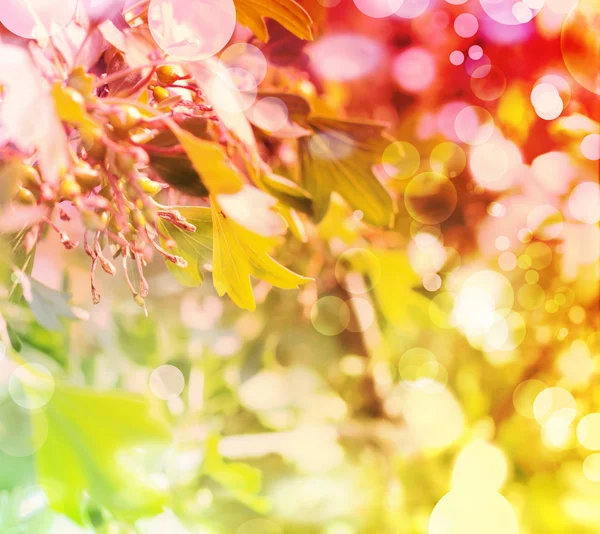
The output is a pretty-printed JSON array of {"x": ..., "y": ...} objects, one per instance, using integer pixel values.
[
  {"x": 242, "y": 480},
  {"x": 394, "y": 289},
  {"x": 288, "y": 192},
  {"x": 103, "y": 441},
  {"x": 288, "y": 13},
  {"x": 211, "y": 163},
  {"x": 194, "y": 247},
  {"x": 237, "y": 254},
  {"x": 47, "y": 305},
  {"x": 48, "y": 342},
  {"x": 340, "y": 157}
]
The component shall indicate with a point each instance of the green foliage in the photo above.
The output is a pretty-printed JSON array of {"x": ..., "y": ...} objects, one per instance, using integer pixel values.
[
  {"x": 92, "y": 448},
  {"x": 340, "y": 157}
]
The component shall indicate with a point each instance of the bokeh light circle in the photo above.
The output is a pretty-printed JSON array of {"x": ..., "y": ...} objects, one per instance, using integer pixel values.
[
  {"x": 18, "y": 437},
  {"x": 531, "y": 296},
  {"x": 448, "y": 159},
  {"x": 378, "y": 8},
  {"x": 479, "y": 466},
  {"x": 247, "y": 57},
  {"x": 36, "y": 19},
  {"x": 411, "y": 9},
  {"x": 591, "y": 467},
  {"x": 474, "y": 125},
  {"x": 357, "y": 270},
  {"x": 269, "y": 113},
  {"x": 488, "y": 83},
  {"x": 191, "y": 31},
  {"x": 545, "y": 222},
  {"x": 588, "y": 431},
  {"x": 554, "y": 402},
  {"x": 495, "y": 165},
  {"x": 344, "y": 57},
  {"x": 466, "y": 25},
  {"x": 232, "y": 91},
  {"x": 31, "y": 386},
  {"x": 166, "y": 382},
  {"x": 457, "y": 57},
  {"x": 503, "y": 11},
  {"x": 475, "y": 52},
  {"x": 524, "y": 396},
  {"x": 461, "y": 512},
  {"x": 401, "y": 160},
  {"x": 419, "y": 368},
  {"x": 579, "y": 44},
  {"x": 430, "y": 198},
  {"x": 584, "y": 202},
  {"x": 478, "y": 67},
  {"x": 546, "y": 101},
  {"x": 414, "y": 69},
  {"x": 590, "y": 147},
  {"x": 100, "y": 10},
  {"x": 330, "y": 316}
]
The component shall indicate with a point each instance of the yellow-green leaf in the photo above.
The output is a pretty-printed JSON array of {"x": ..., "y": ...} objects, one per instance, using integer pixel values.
[
  {"x": 211, "y": 163},
  {"x": 395, "y": 289},
  {"x": 288, "y": 13},
  {"x": 95, "y": 448},
  {"x": 239, "y": 253},
  {"x": 194, "y": 247},
  {"x": 340, "y": 157}
]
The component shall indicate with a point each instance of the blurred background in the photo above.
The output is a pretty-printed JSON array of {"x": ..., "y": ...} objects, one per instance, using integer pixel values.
[{"x": 440, "y": 376}]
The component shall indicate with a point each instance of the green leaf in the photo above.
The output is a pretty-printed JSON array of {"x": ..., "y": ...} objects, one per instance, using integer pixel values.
[
  {"x": 394, "y": 290},
  {"x": 99, "y": 445},
  {"x": 176, "y": 169},
  {"x": 237, "y": 254},
  {"x": 47, "y": 305},
  {"x": 287, "y": 191},
  {"x": 49, "y": 342},
  {"x": 288, "y": 13},
  {"x": 243, "y": 481},
  {"x": 211, "y": 163},
  {"x": 194, "y": 247},
  {"x": 340, "y": 157}
]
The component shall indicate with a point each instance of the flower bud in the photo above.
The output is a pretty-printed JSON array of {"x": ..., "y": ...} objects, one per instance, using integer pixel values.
[
  {"x": 160, "y": 93},
  {"x": 148, "y": 186},
  {"x": 126, "y": 162},
  {"x": 25, "y": 196},
  {"x": 125, "y": 118},
  {"x": 87, "y": 177},
  {"x": 139, "y": 300},
  {"x": 92, "y": 142},
  {"x": 69, "y": 188},
  {"x": 167, "y": 75}
]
